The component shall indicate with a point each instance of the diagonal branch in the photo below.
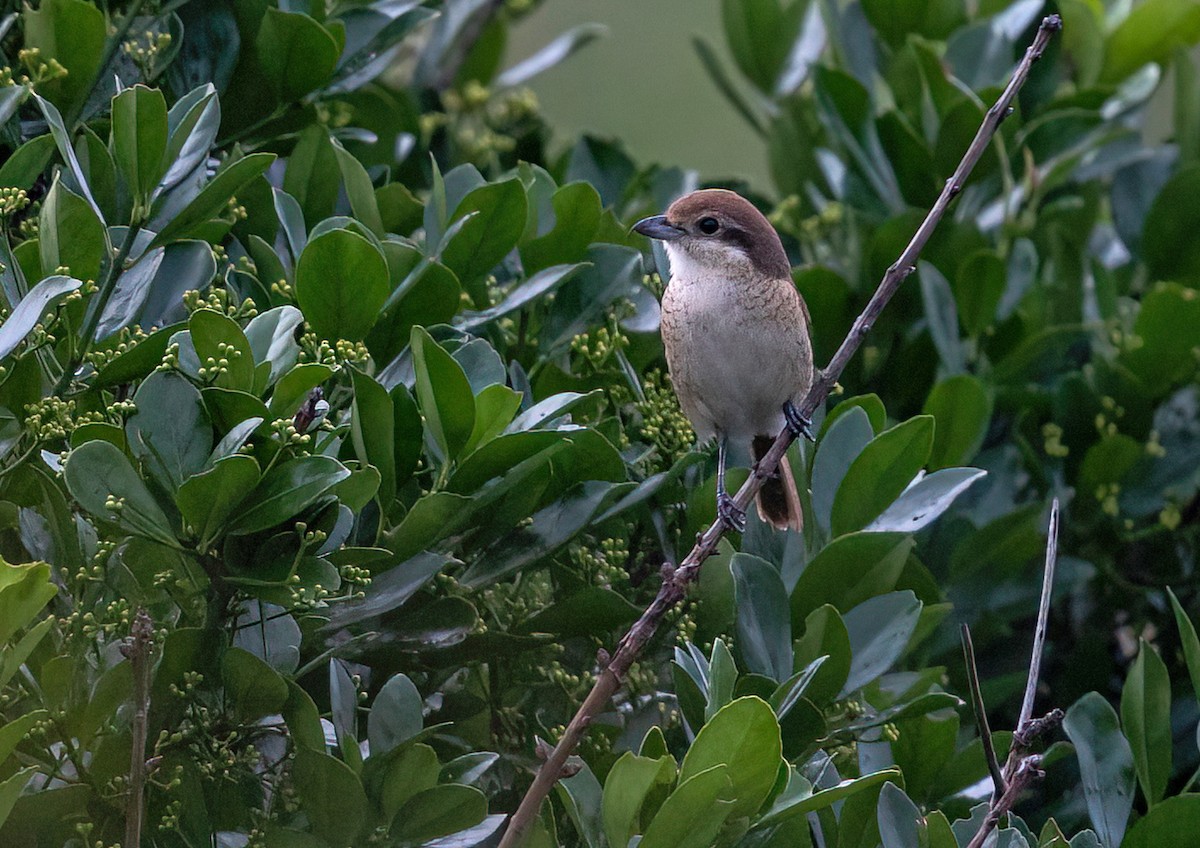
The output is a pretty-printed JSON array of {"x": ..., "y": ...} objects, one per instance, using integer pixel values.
[{"x": 676, "y": 580}]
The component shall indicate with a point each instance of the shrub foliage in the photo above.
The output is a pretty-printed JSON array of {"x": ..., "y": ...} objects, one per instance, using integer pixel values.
[{"x": 320, "y": 349}]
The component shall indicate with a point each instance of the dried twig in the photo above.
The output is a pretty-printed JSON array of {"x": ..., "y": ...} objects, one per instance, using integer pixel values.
[
  {"x": 676, "y": 580},
  {"x": 137, "y": 649},
  {"x": 981, "y": 722},
  {"x": 1022, "y": 768}
]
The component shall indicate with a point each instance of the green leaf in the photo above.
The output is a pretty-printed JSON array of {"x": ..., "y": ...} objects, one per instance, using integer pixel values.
[
  {"x": 961, "y": 407},
  {"x": 443, "y": 394},
  {"x": 272, "y": 338},
  {"x": 879, "y": 629},
  {"x": 192, "y": 121},
  {"x": 531, "y": 290},
  {"x": 497, "y": 219},
  {"x": 893, "y": 20},
  {"x": 312, "y": 174},
  {"x": 24, "y": 590},
  {"x": 29, "y": 311},
  {"x": 219, "y": 339},
  {"x": 207, "y": 501},
  {"x": 594, "y": 609},
  {"x": 132, "y": 288},
  {"x": 331, "y": 795},
  {"x": 692, "y": 815},
  {"x": 62, "y": 140},
  {"x": 170, "y": 432},
  {"x": 575, "y": 218},
  {"x": 341, "y": 284},
  {"x": 137, "y": 362},
  {"x": 764, "y": 625},
  {"x": 1151, "y": 32},
  {"x": 1191, "y": 644},
  {"x": 414, "y": 770},
  {"x": 789, "y": 693},
  {"x": 297, "y": 53},
  {"x": 12, "y": 733},
  {"x": 799, "y": 805},
  {"x": 761, "y": 34},
  {"x": 1168, "y": 325},
  {"x": 359, "y": 190},
  {"x": 98, "y": 471},
  {"x": 925, "y": 500},
  {"x": 255, "y": 688},
  {"x": 722, "y": 678},
  {"x": 941, "y": 317},
  {"x": 978, "y": 287},
  {"x": 439, "y": 811},
  {"x": 629, "y": 782},
  {"x": 213, "y": 198},
  {"x": 1172, "y": 824},
  {"x": 288, "y": 490},
  {"x": 70, "y": 235},
  {"x": 395, "y": 716},
  {"x": 849, "y": 570},
  {"x": 840, "y": 445},
  {"x": 372, "y": 431},
  {"x": 10, "y": 791},
  {"x": 824, "y": 636},
  {"x": 138, "y": 138},
  {"x": 744, "y": 737},
  {"x": 880, "y": 473},
  {"x": 900, "y": 822},
  {"x": 73, "y": 32},
  {"x": 294, "y": 386},
  {"x": 1105, "y": 765},
  {"x": 495, "y": 407},
  {"x": 1146, "y": 721}
]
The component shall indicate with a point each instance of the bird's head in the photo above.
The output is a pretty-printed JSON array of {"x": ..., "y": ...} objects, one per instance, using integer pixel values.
[{"x": 714, "y": 230}]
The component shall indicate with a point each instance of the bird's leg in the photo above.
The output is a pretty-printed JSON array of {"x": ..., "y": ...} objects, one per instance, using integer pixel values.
[
  {"x": 731, "y": 515},
  {"x": 797, "y": 423}
]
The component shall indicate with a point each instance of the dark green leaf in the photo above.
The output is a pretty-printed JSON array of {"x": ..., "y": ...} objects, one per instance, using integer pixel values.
[
  {"x": 962, "y": 409},
  {"x": 288, "y": 490},
  {"x": 395, "y": 716},
  {"x": 443, "y": 393},
  {"x": 139, "y": 139},
  {"x": 341, "y": 284},
  {"x": 1151, "y": 32},
  {"x": 764, "y": 624},
  {"x": 1105, "y": 764},
  {"x": 1146, "y": 721},
  {"x": 1191, "y": 644},
  {"x": 439, "y": 811},
  {"x": 497, "y": 220},
  {"x": 30, "y": 310},
  {"x": 98, "y": 472},
  {"x": 255, "y": 688},
  {"x": 73, "y": 32},
  {"x": 372, "y": 431},
  {"x": 849, "y": 570},
  {"x": 1172, "y": 824},
  {"x": 213, "y": 198},
  {"x": 331, "y": 795},
  {"x": 170, "y": 432},
  {"x": 629, "y": 781},
  {"x": 692, "y": 815},
  {"x": 880, "y": 473},
  {"x": 71, "y": 235},
  {"x": 879, "y": 630},
  {"x": 297, "y": 53},
  {"x": 840, "y": 445},
  {"x": 208, "y": 500}
]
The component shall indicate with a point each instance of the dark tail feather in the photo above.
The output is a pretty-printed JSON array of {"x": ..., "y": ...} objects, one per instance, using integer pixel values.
[{"x": 777, "y": 501}]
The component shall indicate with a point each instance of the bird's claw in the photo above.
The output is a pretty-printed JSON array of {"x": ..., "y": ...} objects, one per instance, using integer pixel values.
[
  {"x": 731, "y": 515},
  {"x": 797, "y": 423}
]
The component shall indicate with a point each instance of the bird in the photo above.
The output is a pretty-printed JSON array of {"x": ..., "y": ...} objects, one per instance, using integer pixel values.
[{"x": 736, "y": 335}]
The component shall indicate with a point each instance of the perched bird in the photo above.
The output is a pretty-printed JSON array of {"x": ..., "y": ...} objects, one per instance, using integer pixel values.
[{"x": 736, "y": 333}]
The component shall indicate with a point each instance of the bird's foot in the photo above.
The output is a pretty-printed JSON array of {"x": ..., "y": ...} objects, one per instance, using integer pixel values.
[
  {"x": 730, "y": 514},
  {"x": 797, "y": 423}
]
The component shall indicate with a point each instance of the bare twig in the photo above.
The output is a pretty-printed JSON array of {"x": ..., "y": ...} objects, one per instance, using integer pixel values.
[
  {"x": 137, "y": 649},
  {"x": 981, "y": 722},
  {"x": 1022, "y": 768},
  {"x": 676, "y": 580}
]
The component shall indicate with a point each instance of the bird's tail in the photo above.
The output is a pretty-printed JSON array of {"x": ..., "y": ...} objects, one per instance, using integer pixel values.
[{"x": 777, "y": 501}]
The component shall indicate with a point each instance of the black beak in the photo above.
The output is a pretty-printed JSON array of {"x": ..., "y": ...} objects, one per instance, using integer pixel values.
[{"x": 657, "y": 227}]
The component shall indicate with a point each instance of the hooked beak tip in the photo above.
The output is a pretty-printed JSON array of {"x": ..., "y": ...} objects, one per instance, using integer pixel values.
[{"x": 657, "y": 227}]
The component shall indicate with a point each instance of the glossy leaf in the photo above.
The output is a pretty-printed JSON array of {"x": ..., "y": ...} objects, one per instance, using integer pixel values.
[
  {"x": 962, "y": 409},
  {"x": 139, "y": 138},
  {"x": 1146, "y": 721},
  {"x": 925, "y": 500},
  {"x": 629, "y": 781},
  {"x": 879, "y": 630},
  {"x": 497, "y": 219},
  {"x": 97, "y": 473},
  {"x": 743, "y": 737},
  {"x": 331, "y": 795},
  {"x": 29, "y": 311},
  {"x": 296, "y": 52},
  {"x": 170, "y": 432},
  {"x": 208, "y": 500},
  {"x": 443, "y": 393},
  {"x": 692, "y": 815},
  {"x": 395, "y": 716},
  {"x": 880, "y": 473},
  {"x": 1106, "y": 765},
  {"x": 287, "y": 490},
  {"x": 764, "y": 625},
  {"x": 341, "y": 283}
]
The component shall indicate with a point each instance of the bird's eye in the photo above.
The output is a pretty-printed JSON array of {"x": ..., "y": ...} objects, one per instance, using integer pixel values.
[{"x": 708, "y": 226}]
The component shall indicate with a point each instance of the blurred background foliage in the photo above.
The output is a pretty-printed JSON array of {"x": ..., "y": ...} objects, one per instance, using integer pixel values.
[{"x": 325, "y": 347}]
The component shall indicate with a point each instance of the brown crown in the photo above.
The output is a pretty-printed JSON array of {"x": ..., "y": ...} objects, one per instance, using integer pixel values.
[{"x": 741, "y": 223}]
